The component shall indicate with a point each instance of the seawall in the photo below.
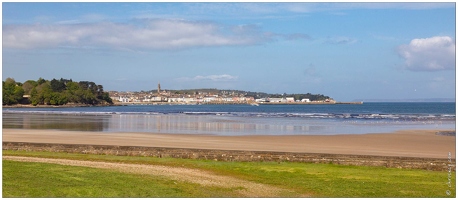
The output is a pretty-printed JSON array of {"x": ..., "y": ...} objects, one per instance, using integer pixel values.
[{"x": 435, "y": 164}]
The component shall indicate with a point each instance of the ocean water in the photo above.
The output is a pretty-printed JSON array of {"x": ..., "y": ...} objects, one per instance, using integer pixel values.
[{"x": 238, "y": 119}]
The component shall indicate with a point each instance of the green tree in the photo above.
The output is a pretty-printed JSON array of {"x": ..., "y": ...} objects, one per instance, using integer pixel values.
[
  {"x": 88, "y": 97},
  {"x": 54, "y": 92},
  {"x": 57, "y": 98},
  {"x": 106, "y": 98},
  {"x": 99, "y": 90},
  {"x": 12, "y": 92},
  {"x": 72, "y": 86},
  {"x": 45, "y": 94},
  {"x": 34, "y": 97},
  {"x": 41, "y": 81},
  {"x": 28, "y": 86},
  {"x": 18, "y": 93},
  {"x": 57, "y": 86},
  {"x": 84, "y": 85}
]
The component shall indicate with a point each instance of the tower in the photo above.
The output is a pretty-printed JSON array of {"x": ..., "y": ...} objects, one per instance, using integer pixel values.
[{"x": 159, "y": 88}]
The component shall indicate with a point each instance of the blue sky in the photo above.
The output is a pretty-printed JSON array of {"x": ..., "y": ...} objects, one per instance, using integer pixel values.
[{"x": 344, "y": 50}]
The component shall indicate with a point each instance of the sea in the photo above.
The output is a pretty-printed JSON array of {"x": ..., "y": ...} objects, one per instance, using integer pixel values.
[{"x": 239, "y": 120}]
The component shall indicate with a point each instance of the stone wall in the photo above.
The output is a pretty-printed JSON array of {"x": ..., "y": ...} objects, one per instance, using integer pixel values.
[{"x": 435, "y": 164}]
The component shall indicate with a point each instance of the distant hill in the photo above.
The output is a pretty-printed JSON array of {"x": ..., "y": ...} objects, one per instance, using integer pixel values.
[
  {"x": 409, "y": 100},
  {"x": 256, "y": 95}
]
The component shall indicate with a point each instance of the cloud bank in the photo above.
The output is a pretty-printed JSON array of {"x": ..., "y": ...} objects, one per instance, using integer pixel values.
[
  {"x": 139, "y": 34},
  {"x": 429, "y": 54}
]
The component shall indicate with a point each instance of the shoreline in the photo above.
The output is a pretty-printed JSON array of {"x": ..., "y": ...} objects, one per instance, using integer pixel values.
[
  {"x": 55, "y": 106},
  {"x": 406, "y": 143},
  {"x": 175, "y": 103}
]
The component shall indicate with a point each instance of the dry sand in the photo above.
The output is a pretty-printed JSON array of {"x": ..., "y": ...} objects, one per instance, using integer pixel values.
[{"x": 409, "y": 143}]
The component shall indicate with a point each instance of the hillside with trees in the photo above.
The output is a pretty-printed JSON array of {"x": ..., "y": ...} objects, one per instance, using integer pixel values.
[
  {"x": 255, "y": 95},
  {"x": 54, "y": 92}
]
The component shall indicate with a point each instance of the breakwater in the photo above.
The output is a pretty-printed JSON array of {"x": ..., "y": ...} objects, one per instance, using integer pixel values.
[{"x": 310, "y": 103}]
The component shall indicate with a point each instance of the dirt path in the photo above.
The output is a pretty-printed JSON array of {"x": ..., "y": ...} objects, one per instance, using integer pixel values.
[{"x": 175, "y": 173}]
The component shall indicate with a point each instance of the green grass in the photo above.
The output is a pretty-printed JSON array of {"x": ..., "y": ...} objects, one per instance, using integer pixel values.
[
  {"x": 26, "y": 179},
  {"x": 21, "y": 179}
]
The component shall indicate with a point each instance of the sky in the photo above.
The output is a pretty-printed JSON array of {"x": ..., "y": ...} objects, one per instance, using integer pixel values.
[{"x": 346, "y": 51}]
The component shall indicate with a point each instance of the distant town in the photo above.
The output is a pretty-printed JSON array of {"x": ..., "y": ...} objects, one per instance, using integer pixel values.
[
  {"x": 66, "y": 92},
  {"x": 214, "y": 96}
]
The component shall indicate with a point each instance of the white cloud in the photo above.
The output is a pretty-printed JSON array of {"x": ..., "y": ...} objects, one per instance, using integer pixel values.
[
  {"x": 223, "y": 77},
  {"x": 297, "y": 36},
  {"x": 327, "y": 7},
  {"x": 139, "y": 34},
  {"x": 340, "y": 40},
  {"x": 429, "y": 54}
]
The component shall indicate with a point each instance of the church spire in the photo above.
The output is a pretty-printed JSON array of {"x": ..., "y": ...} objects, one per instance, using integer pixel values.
[{"x": 158, "y": 87}]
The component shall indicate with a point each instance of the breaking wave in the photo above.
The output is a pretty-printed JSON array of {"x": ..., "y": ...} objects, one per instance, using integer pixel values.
[{"x": 366, "y": 116}]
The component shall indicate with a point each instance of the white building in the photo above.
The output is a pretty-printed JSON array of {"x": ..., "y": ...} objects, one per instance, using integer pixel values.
[
  {"x": 189, "y": 100},
  {"x": 261, "y": 100},
  {"x": 289, "y": 99},
  {"x": 227, "y": 99},
  {"x": 305, "y": 100},
  {"x": 174, "y": 99},
  {"x": 209, "y": 99},
  {"x": 276, "y": 100},
  {"x": 156, "y": 99},
  {"x": 124, "y": 99}
]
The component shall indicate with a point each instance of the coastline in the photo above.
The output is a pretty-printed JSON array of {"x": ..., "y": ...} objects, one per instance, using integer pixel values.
[
  {"x": 56, "y": 106},
  {"x": 406, "y": 143},
  {"x": 175, "y": 103}
]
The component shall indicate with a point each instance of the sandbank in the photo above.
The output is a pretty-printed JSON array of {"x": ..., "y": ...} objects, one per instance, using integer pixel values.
[{"x": 406, "y": 143}]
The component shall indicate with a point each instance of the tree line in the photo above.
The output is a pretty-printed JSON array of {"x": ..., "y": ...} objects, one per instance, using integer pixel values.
[{"x": 54, "y": 92}]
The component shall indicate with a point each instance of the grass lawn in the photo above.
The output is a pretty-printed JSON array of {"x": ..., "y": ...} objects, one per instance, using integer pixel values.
[{"x": 25, "y": 179}]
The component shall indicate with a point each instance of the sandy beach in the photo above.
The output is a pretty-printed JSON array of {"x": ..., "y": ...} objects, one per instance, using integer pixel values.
[{"x": 408, "y": 143}]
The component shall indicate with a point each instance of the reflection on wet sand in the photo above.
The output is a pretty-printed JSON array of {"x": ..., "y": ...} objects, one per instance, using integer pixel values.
[
  {"x": 152, "y": 123},
  {"x": 202, "y": 124},
  {"x": 56, "y": 121}
]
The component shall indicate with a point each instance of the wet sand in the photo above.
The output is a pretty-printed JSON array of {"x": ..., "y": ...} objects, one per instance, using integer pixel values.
[{"x": 408, "y": 143}]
